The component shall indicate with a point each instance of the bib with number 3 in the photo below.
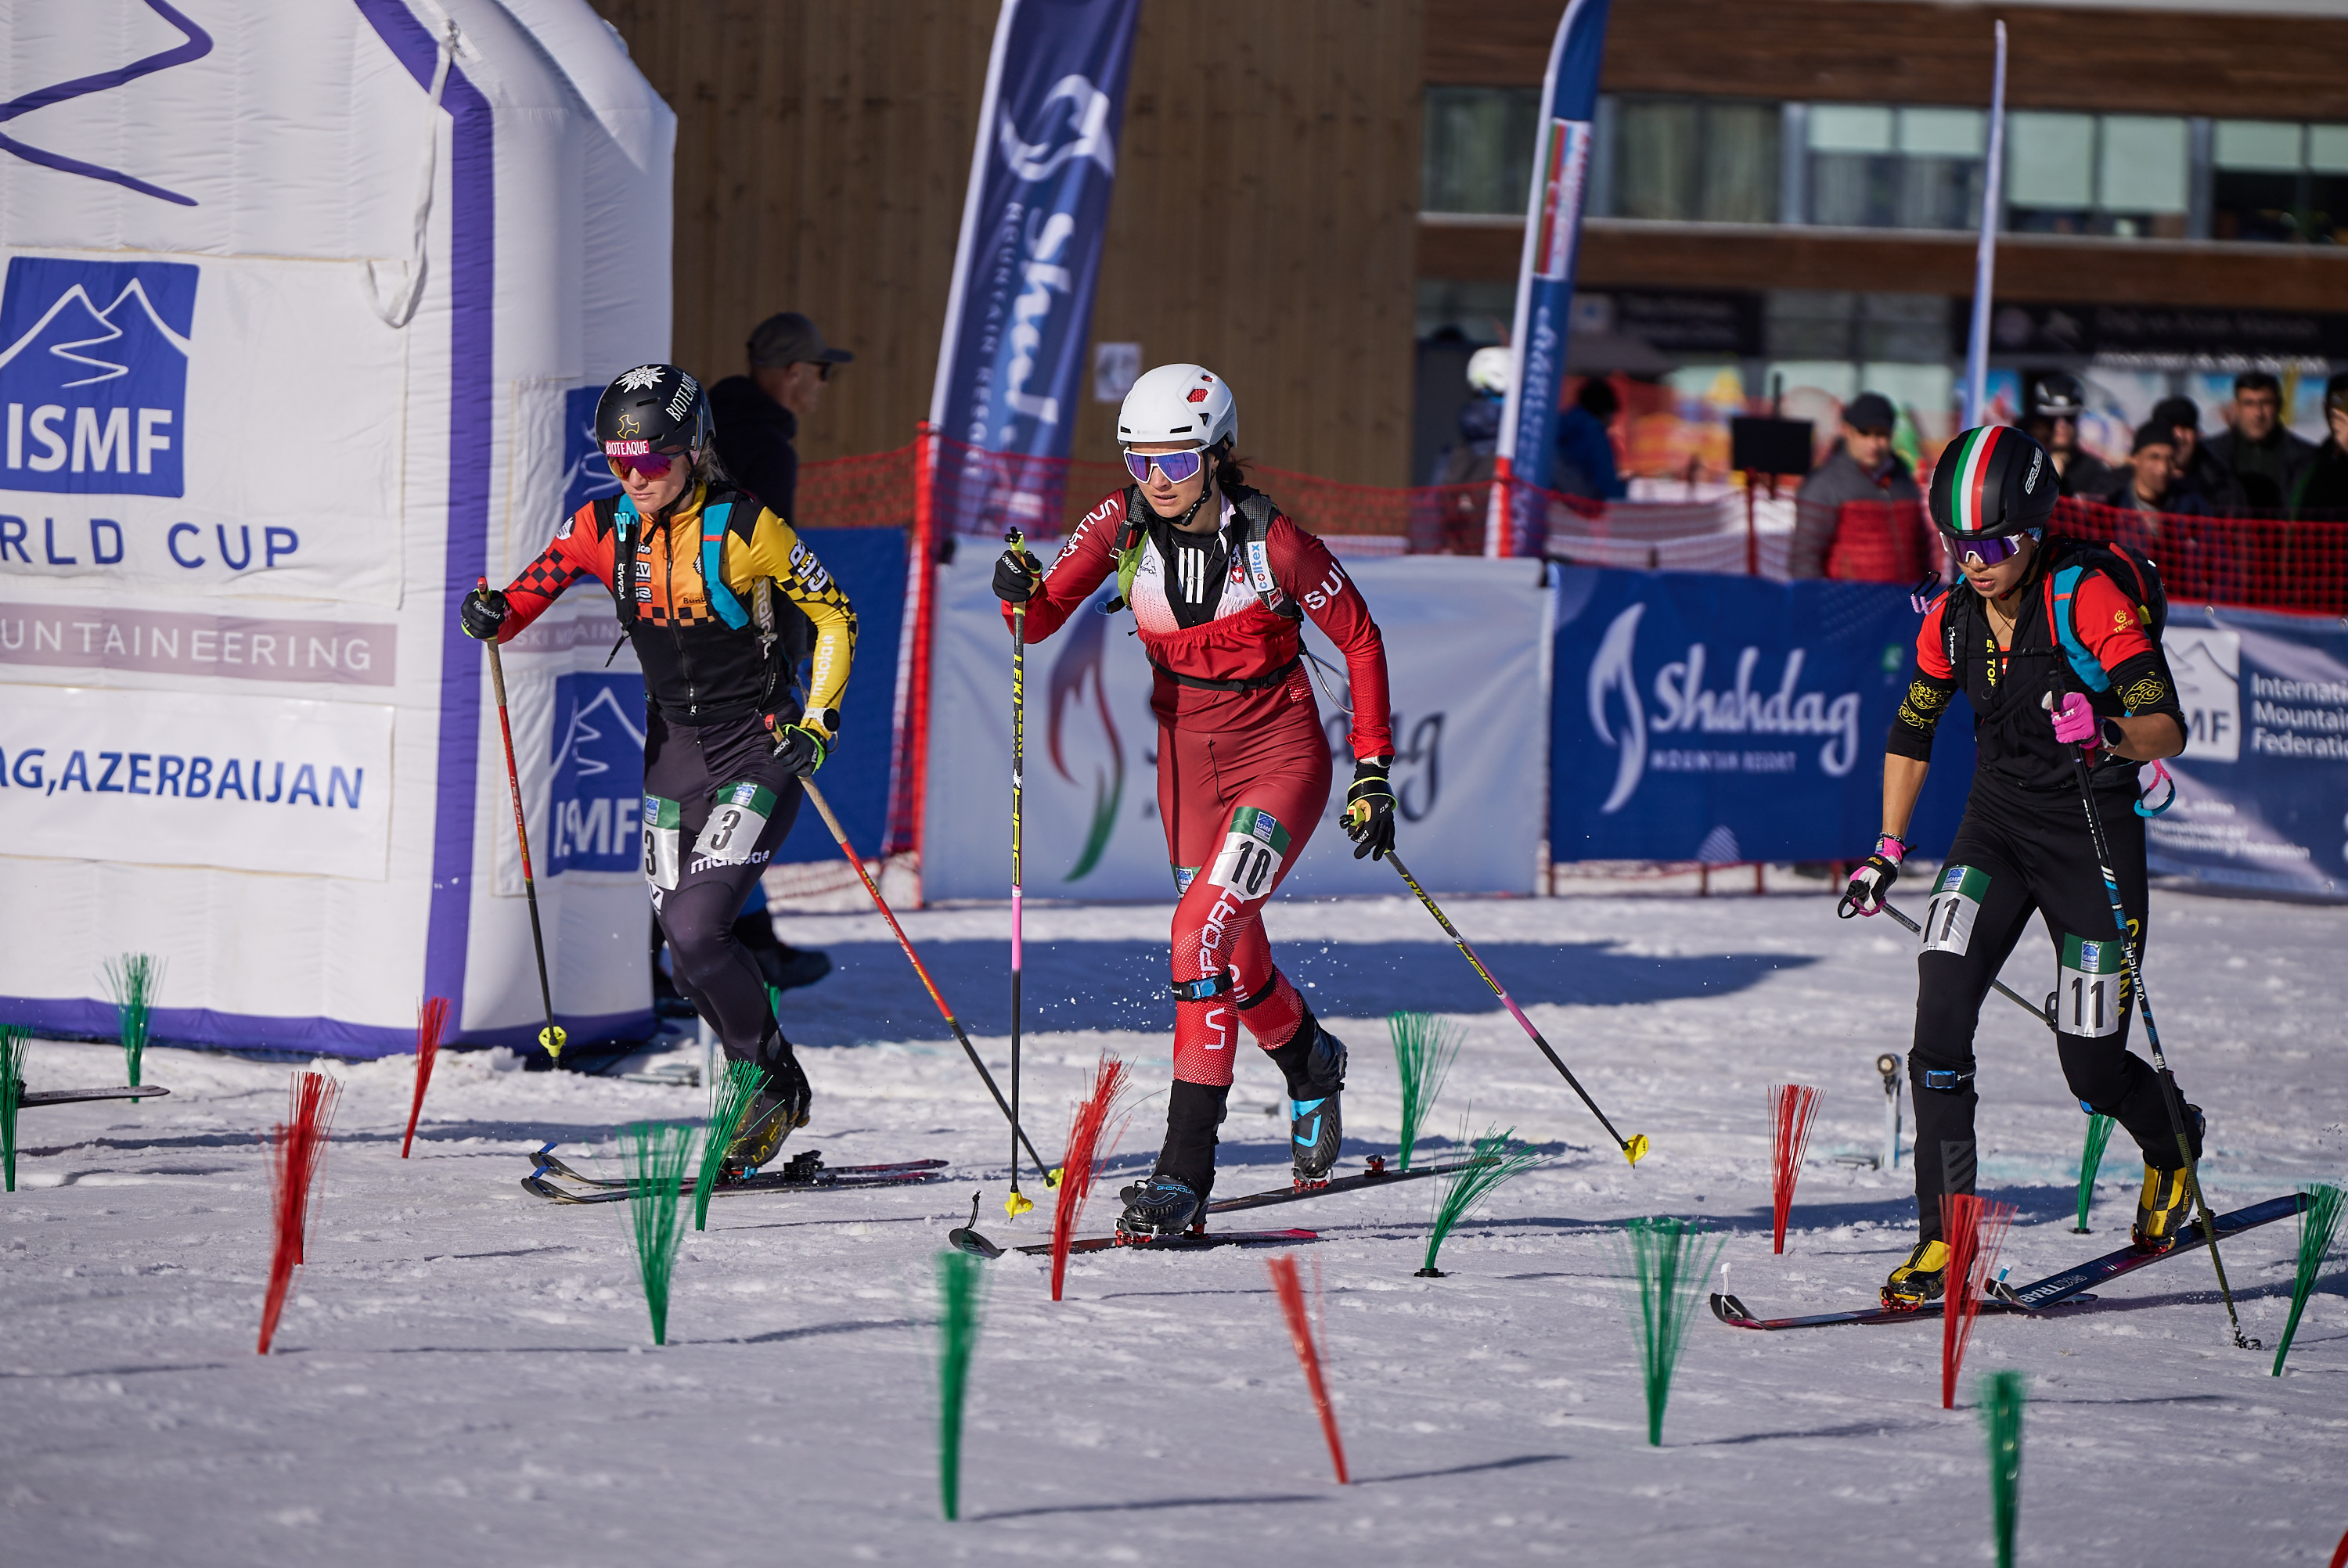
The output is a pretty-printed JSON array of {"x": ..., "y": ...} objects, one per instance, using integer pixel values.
[
  {"x": 664, "y": 821},
  {"x": 734, "y": 823},
  {"x": 1956, "y": 905},
  {"x": 1250, "y": 854},
  {"x": 2090, "y": 987}
]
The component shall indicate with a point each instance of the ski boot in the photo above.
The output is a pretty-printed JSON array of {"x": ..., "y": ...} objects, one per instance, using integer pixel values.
[
  {"x": 1919, "y": 1279},
  {"x": 780, "y": 1107},
  {"x": 2164, "y": 1210},
  {"x": 1313, "y": 1061},
  {"x": 1161, "y": 1206}
]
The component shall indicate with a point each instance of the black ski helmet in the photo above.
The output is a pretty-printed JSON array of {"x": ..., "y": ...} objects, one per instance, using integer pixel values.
[
  {"x": 653, "y": 408},
  {"x": 2057, "y": 394},
  {"x": 1991, "y": 480}
]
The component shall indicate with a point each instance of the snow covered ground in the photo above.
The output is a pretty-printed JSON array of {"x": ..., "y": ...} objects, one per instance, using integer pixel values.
[{"x": 466, "y": 1374}]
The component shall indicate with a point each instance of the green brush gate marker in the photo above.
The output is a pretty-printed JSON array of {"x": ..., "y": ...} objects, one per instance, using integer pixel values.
[
  {"x": 1491, "y": 1162},
  {"x": 729, "y": 1102},
  {"x": 1424, "y": 1046},
  {"x": 1662, "y": 1264},
  {"x": 2002, "y": 1395},
  {"x": 13, "y": 1046},
  {"x": 2091, "y": 1160},
  {"x": 134, "y": 979},
  {"x": 2318, "y": 1222},
  {"x": 959, "y": 1279},
  {"x": 657, "y": 1153}
]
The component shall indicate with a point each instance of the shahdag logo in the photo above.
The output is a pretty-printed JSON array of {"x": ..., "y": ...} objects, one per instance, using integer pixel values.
[
  {"x": 1072, "y": 137},
  {"x": 94, "y": 375},
  {"x": 1683, "y": 705}
]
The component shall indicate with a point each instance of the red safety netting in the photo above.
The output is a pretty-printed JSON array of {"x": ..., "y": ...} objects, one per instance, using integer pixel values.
[{"x": 2254, "y": 563}]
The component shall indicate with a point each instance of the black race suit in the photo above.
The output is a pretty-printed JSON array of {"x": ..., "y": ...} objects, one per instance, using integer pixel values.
[{"x": 2024, "y": 847}]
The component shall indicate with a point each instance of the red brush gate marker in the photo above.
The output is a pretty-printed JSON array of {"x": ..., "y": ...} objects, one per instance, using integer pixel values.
[
  {"x": 297, "y": 1149},
  {"x": 1975, "y": 1229},
  {"x": 1085, "y": 1152},
  {"x": 1300, "y": 1329},
  {"x": 431, "y": 1023},
  {"x": 1791, "y": 1106}
]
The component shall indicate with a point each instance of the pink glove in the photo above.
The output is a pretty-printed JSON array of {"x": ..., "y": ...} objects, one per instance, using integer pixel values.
[{"x": 2074, "y": 720}]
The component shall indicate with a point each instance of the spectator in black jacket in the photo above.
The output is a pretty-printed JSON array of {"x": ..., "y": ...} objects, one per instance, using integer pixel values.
[
  {"x": 2053, "y": 403},
  {"x": 2151, "y": 485},
  {"x": 2265, "y": 458},
  {"x": 2198, "y": 473},
  {"x": 758, "y": 414},
  {"x": 2322, "y": 490},
  {"x": 1862, "y": 467}
]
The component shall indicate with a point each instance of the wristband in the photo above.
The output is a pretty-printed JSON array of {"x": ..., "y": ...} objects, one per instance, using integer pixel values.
[{"x": 1891, "y": 848}]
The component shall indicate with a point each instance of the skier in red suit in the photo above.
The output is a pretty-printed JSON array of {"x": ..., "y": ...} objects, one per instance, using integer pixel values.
[{"x": 1218, "y": 581}]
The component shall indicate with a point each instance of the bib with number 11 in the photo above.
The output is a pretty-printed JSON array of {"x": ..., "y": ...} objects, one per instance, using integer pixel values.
[
  {"x": 1252, "y": 853},
  {"x": 2090, "y": 986}
]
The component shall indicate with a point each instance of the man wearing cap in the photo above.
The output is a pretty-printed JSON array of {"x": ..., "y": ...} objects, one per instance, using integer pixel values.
[
  {"x": 2197, "y": 472},
  {"x": 2322, "y": 490},
  {"x": 2054, "y": 403},
  {"x": 759, "y": 413},
  {"x": 1862, "y": 468}
]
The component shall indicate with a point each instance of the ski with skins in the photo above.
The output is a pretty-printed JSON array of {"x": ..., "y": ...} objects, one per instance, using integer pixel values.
[
  {"x": 1194, "y": 1241},
  {"x": 77, "y": 1096},
  {"x": 803, "y": 1169},
  {"x": 2064, "y": 1289},
  {"x": 1376, "y": 1175}
]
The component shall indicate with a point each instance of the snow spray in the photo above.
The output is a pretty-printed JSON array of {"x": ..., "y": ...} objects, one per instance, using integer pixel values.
[
  {"x": 431, "y": 1023},
  {"x": 1086, "y": 1128},
  {"x": 297, "y": 1150},
  {"x": 1791, "y": 1106},
  {"x": 1285, "y": 1286},
  {"x": 2318, "y": 1222},
  {"x": 1975, "y": 1229},
  {"x": 1424, "y": 1048}
]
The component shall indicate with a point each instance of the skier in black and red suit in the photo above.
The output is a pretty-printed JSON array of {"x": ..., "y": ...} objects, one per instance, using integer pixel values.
[
  {"x": 2035, "y": 619},
  {"x": 1218, "y": 581},
  {"x": 693, "y": 565}
]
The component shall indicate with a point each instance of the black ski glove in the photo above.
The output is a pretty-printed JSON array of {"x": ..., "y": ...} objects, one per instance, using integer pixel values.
[
  {"x": 1872, "y": 880},
  {"x": 802, "y": 746},
  {"x": 1015, "y": 576},
  {"x": 483, "y": 614},
  {"x": 1369, "y": 809}
]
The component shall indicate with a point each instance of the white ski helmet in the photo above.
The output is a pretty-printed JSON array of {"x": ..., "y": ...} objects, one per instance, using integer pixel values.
[
  {"x": 1489, "y": 368},
  {"x": 1179, "y": 402}
]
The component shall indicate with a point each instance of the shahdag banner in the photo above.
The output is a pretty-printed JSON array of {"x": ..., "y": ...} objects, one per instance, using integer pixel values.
[
  {"x": 303, "y": 312},
  {"x": 2263, "y": 788},
  {"x": 1725, "y": 718},
  {"x": 1560, "y": 182},
  {"x": 1465, "y": 648},
  {"x": 1019, "y": 310}
]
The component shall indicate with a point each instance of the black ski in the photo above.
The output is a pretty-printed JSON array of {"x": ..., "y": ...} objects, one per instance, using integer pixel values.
[
  {"x": 75, "y": 1096},
  {"x": 803, "y": 1173},
  {"x": 2054, "y": 1290},
  {"x": 1376, "y": 1175},
  {"x": 1189, "y": 1242},
  {"x": 804, "y": 1169}
]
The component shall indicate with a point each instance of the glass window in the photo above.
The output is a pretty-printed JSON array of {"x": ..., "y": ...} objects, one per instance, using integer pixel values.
[
  {"x": 1851, "y": 127},
  {"x": 2141, "y": 177},
  {"x": 1697, "y": 160},
  {"x": 2327, "y": 149},
  {"x": 2261, "y": 145},
  {"x": 1943, "y": 133},
  {"x": 1879, "y": 167},
  {"x": 1478, "y": 154},
  {"x": 2049, "y": 160}
]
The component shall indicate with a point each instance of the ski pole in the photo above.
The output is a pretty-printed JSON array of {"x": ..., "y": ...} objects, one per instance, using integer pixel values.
[
  {"x": 2040, "y": 1013},
  {"x": 839, "y": 836},
  {"x": 1634, "y": 1147},
  {"x": 1016, "y": 1204},
  {"x": 2169, "y": 1095},
  {"x": 552, "y": 1036}
]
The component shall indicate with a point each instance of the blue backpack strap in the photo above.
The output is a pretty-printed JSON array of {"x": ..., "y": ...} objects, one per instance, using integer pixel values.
[
  {"x": 713, "y": 570},
  {"x": 2063, "y": 588}
]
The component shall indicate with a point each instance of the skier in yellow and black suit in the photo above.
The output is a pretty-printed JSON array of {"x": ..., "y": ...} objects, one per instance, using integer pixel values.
[{"x": 693, "y": 564}]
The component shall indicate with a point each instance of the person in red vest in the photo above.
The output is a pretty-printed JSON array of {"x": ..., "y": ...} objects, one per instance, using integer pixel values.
[{"x": 1218, "y": 581}]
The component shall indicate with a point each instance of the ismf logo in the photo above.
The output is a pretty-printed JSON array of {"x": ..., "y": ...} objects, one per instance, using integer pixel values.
[
  {"x": 585, "y": 476},
  {"x": 599, "y": 773},
  {"x": 94, "y": 375}
]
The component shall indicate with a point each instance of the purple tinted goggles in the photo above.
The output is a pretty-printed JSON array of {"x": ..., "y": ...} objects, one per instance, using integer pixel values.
[
  {"x": 1993, "y": 550},
  {"x": 1177, "y": 466}
]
